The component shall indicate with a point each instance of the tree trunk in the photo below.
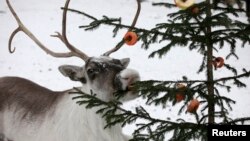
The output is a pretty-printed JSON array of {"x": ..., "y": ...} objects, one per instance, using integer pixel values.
[{"x": 210, "y": 77}]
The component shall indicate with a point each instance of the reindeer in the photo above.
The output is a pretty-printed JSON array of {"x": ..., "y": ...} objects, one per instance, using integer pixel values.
[{"x": 30, "y": 112}]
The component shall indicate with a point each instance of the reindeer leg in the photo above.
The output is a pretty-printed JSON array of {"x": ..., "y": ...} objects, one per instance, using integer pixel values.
[{"x": 1, "y": 137}]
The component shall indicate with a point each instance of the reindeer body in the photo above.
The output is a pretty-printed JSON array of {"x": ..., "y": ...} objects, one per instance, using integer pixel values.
[{"x": 29, "y": 112}]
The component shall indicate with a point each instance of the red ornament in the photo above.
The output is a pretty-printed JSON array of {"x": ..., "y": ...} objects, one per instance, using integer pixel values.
[
  {"x": 130, "y": 38},
  {"x": 218, "y": 62},
  {"x": 179, "y": 97},
  {"x": 195, "y": 10},
  {"x": 193, "y": 106}
]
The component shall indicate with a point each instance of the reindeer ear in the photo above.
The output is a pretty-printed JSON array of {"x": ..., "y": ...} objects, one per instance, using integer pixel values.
[
  {"x": 75, "y": 73},
  {"x": 125, "y": 62}
]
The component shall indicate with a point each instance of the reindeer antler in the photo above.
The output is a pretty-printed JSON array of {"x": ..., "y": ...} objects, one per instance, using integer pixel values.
[
  {"x": 74, "y": 52},
  {"x": 121, "y": 43}
]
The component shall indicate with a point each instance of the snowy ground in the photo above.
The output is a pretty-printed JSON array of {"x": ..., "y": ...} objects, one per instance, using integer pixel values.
[{"x": 43, "y": 18}]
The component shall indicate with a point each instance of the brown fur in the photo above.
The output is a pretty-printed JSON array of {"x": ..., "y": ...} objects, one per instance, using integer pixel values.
[{"x": 31, "y": 98}]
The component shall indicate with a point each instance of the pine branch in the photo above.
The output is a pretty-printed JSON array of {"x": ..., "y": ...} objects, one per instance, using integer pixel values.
[
  {"x": 89, "y": 98},
  {"x": 168, "y": 5},
  {"x": 184, "y": 28},
  {"x": 101, "y": 21},
  {"x": 109, "y": 111},
  {"x": 242, "y": 120},
  {"x": 153, "y": 82},
  {"x": 246, "y": 74},
  {"x": 82, "y": 13}
]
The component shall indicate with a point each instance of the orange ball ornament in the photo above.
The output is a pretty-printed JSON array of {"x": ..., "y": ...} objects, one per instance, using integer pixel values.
[
  {"x": 218, "y": 62},
  {"x": 193, "y": 106},
  {"x": 130, "y": 38}
]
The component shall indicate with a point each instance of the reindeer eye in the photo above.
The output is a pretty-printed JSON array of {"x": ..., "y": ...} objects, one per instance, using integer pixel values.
[{"x": 90, "y": 71}]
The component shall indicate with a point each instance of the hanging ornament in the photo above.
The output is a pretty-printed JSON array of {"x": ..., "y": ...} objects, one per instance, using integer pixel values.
[
  {"x": 195, "y": 10},
  {"x": 218, "y": 62},
  {"x": 181, "y": 86},
  {"x": 193, "y": 106},
  {"x": 180, "y": 95},
  {"x": 184, "y": 4},
  {"x": 130, "y": 38}
]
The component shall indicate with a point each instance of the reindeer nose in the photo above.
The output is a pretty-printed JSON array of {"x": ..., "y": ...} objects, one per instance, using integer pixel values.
[
  {"x": 127, "y": 78},
  {"x": 132, "y": 79}
]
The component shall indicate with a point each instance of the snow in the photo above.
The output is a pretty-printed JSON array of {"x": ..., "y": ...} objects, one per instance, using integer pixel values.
[{"x": 43, "y": 18}]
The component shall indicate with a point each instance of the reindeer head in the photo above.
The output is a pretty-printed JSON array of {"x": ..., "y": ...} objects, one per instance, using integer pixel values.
[{"x": 104, "y": 75}]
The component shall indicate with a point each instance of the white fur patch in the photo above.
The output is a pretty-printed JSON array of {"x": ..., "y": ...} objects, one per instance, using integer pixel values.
[
  {"x": 128, "y": 76},
  {"x": 69, "y": 122}
]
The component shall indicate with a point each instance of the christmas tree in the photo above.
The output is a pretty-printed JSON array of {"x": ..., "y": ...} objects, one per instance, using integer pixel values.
[{"x": 204, "y": 27}]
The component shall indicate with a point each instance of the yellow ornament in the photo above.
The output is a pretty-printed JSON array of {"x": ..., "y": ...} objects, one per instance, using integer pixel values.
[{"x": 184, "y": 4}]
